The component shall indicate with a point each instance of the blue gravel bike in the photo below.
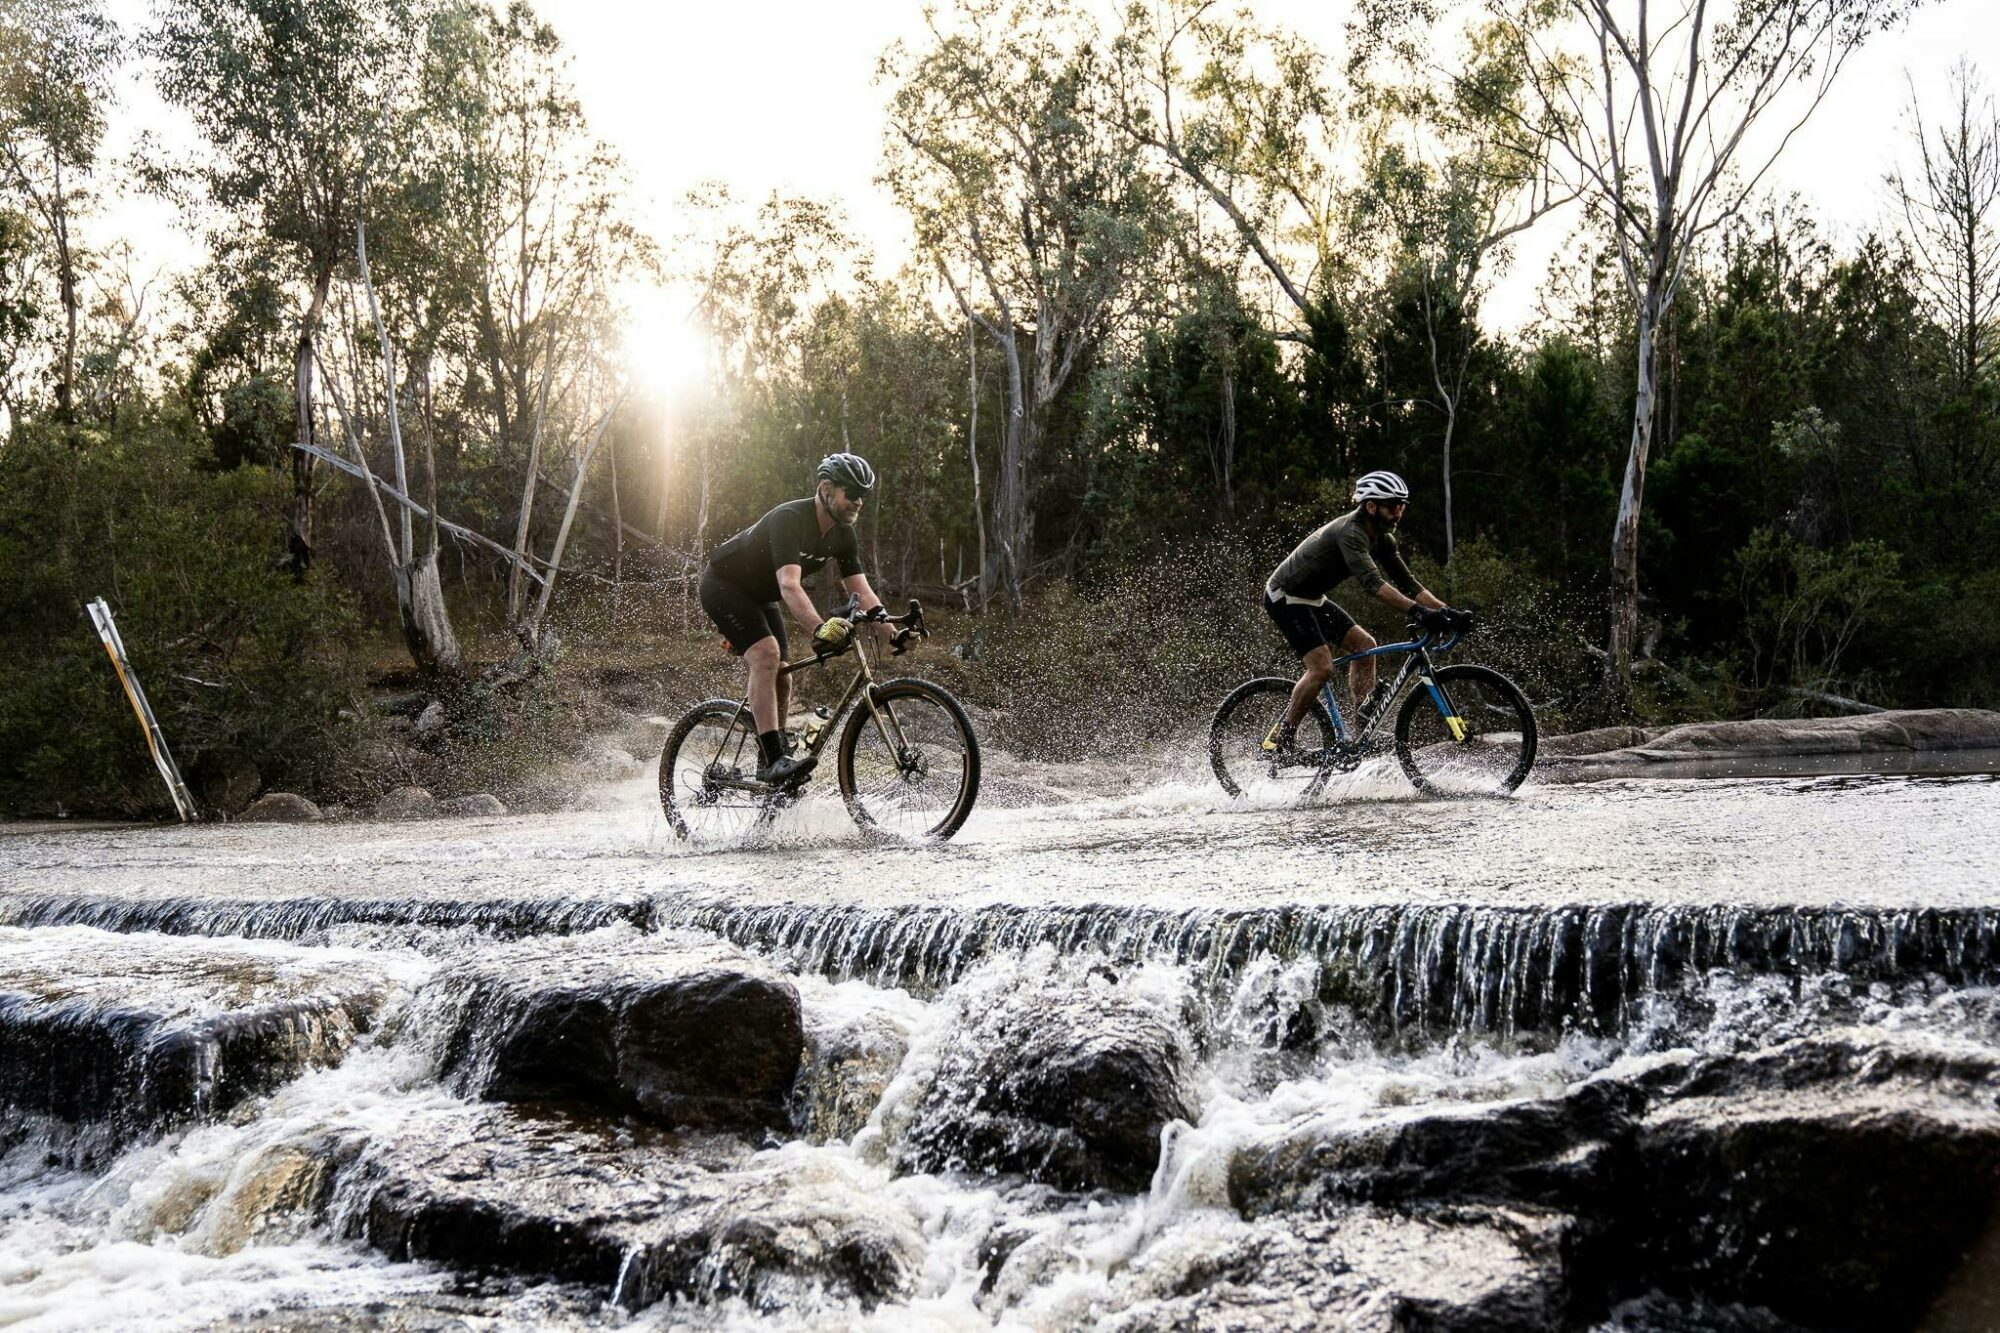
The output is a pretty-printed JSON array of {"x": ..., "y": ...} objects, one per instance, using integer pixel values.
[{"x": 1459, "y": 730}]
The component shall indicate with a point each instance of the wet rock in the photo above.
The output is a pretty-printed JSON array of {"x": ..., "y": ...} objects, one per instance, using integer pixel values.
[
  {"x": 855, "y": 1040},
  {"x": 280, "y": 807},
  {"x": 1070, "y": 1086},
  {"x": 1835, "y": 1182},
  {"x": 404, "y": 803},
  {"x": 687, "y": 1032},
  {"x": 1598, "y": 740},
  {"x": 134, "y": 1033},
  {"x": 635, "y": 1213},
  {"x": 1558, "y": 1152},
  {"x": 431, "y": 719},
  {"x": 482, "y": 805},
  {"x": 1370, "y": 1270}
]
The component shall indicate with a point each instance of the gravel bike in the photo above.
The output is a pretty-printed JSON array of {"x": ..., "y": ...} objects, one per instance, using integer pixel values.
[
  {"x": 907, "y": 761},
  {"x": 1463, "y": 731}
]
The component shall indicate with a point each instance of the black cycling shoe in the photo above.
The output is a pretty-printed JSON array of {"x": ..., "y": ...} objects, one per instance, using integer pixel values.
[{"x": 786, "y": 770}]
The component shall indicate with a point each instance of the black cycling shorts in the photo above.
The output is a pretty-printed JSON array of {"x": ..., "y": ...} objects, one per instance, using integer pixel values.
[
  {"x": 1306, "y": 626},
  {"x": 742, "y": 619}
]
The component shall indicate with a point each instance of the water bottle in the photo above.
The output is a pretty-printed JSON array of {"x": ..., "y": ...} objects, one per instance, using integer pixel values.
[{"x": 816, "y": 723}]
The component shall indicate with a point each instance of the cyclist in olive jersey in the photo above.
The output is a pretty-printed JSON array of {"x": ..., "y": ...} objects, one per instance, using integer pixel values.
[
  {"x": 755, "y": 576},
  {"x": 1360, "y": 544}
]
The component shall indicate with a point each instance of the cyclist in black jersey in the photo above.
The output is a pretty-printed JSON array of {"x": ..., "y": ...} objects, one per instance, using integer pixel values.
[
  {"x": 755, "y": 576},
  {"x": 1360, "y": 544}
]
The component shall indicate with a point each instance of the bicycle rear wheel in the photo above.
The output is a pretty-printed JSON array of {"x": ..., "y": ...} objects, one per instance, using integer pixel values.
[
  {"x": 1236, "y": 744},
  {"x": 709, "y": 757},
  {"x": 916, "y": 774},
  {"x": 1488, "y": 752}
]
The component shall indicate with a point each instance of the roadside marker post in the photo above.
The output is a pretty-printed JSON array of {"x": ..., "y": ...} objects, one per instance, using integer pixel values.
[{"x": 114, "y": 647}]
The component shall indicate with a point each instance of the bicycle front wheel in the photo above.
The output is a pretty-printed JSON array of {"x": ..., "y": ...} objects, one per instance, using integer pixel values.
[
  {"x": 1471, "y": 734},
  {"x": 909, "y": 766},
  {"x": 707, "y": 771},
  {"x": 1236, "y": 744}
]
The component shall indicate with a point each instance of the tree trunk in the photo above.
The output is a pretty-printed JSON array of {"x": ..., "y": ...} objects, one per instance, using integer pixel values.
[
  {"x": 1450, "y": 425},
  {"x": 516, "y": 586},
  {"x": 419, "y": 594},
  {"x": 301, "y": 535},
  {"x": 1011, "y": 521},
  {"x": 1229, "y": 444},
  {"x": 972, "y": 449},
  {"x": 66, "y": 289},
  {"x": 1625, "y": 532}
]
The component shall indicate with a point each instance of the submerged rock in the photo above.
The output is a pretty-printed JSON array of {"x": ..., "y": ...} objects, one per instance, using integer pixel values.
[
  {"x": 1066, "y": 1085},
  {"x": 132, "y": 1033},
  {"x": 635, "y": 1213},
  {"x": 280, "y": 807},
  {"x": 690, "y": 1033}
]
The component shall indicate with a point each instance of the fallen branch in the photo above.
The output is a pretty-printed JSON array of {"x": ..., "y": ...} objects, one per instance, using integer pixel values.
[
  {"x": 1833, "y": 700},
  {"x": 463, "y": 534}
]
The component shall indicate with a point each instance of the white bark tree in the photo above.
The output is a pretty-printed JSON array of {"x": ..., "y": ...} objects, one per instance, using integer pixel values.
[{"x": 1667, "y": 115}]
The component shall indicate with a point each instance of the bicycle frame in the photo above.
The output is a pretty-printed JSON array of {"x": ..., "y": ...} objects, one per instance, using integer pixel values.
[
  {"x": 1416, "y": 657},
  {"x": 862, "y": 685}
]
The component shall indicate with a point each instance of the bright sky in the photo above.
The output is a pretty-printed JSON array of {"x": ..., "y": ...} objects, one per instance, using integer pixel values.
[{"x": 780, "y": 95}]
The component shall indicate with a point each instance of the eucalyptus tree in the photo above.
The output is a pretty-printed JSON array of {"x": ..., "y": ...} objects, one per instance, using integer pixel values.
[
  {"x": 1448, "y": 182},
  {"x": 1949, "y": 200},
  {"x": 288, "y": 97},
  {"x": 1648, "y": 107},
  {"x": 530, "y": 213},
  {"x": 1028, "y": 204},
  {"x": 1251, "y": 117},
  {"x": 57, "y": 62}
]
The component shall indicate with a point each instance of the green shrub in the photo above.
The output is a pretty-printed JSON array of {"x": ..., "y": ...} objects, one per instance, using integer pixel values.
[{"x": 243, "y": 663}]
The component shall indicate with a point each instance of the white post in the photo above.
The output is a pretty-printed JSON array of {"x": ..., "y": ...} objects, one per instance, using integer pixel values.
[{"x": 114, "y": 647}]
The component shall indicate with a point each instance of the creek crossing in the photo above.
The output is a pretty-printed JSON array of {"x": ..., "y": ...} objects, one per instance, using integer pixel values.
[{"x": 1596, "y": 1056}]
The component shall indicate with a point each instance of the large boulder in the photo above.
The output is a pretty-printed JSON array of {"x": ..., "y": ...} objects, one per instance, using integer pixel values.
[
  {"x": 279, "y": 807},
  {"x": 480, "y": 805},
  {"x": 404, "y": 803},
  {"x": 686, "y": 1032},
  {"x": 636, "y": 1214},
  {"x": 1834, "y": 1181},
  {"x": 1070, "y": 1086}
]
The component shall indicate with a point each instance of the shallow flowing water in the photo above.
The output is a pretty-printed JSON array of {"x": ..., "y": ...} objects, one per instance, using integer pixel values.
[{"x": 1368, "y": 960}]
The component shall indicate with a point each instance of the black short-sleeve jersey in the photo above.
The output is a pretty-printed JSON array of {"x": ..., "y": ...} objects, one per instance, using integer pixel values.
[{"x": 788, "y": 535}]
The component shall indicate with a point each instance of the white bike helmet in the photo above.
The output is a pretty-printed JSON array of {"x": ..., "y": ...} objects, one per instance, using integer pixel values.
[{"x": 1381, "y": 486}]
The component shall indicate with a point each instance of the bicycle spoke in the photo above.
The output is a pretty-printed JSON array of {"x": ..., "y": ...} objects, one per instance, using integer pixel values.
[
  {"x": 910, "y": 789},
  {"x": 1236, "y": 746},
  {"x": 702, "y": 787},
  {"x": 1481, "y": 746}
]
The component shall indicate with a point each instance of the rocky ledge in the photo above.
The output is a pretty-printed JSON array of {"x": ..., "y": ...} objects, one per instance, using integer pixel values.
[
  {"x": 1765, "y": 745},
  {"x": 131, "y": 1033},
  {"x": 636, "y": 1213},
  {"x": 1833, "y": 1181}
]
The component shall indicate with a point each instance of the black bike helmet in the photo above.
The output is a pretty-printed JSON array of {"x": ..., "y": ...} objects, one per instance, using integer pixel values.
[{"x": 850, "y": 472}]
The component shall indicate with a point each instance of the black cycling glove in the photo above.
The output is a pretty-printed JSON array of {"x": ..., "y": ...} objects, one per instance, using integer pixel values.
[{"x": 1440, "y": 619}]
